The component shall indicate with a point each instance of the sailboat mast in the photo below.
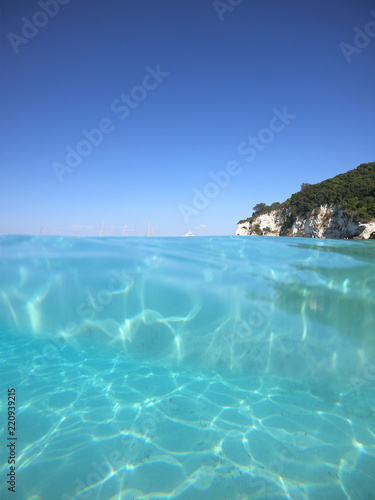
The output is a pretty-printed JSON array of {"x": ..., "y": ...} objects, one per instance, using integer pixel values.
[{"x": 147, "y": 233}]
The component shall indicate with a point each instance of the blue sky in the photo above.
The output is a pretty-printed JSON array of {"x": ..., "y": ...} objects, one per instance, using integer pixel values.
[{"x": 177, "y": 90}]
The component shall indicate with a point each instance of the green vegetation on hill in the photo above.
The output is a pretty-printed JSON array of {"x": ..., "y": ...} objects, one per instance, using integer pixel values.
[{"x": 353, "y": 191}]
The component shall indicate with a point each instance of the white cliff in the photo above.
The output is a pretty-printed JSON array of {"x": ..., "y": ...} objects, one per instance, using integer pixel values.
[
  {"x": 243, "y": 228},
  {"x": 326, "y": 221}
]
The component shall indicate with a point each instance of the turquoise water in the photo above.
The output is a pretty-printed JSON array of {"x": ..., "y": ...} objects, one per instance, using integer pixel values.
[{"x": 189, "y": 368}]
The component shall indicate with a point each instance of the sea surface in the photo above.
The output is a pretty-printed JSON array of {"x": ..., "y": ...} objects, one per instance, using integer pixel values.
[{"x": 223, "y": 368}]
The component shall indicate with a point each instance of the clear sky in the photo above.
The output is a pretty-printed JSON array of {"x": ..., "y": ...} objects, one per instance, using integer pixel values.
[{"x": 126, "y": 110}]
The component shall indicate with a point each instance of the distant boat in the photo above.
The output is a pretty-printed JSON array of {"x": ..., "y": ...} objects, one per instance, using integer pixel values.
[{"x": 189, "y": 233}]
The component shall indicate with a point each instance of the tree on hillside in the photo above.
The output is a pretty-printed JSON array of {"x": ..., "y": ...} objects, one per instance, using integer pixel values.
[
  {"x": 259, "y": 208},
  {"x": 353, "y": 191}
]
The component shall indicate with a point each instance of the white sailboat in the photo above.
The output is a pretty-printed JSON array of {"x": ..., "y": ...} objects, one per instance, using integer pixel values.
[{"x": 188, "y": 234}]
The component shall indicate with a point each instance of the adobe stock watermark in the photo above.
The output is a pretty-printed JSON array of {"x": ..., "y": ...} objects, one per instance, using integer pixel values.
[
  {"x": 368, "y": 378},
  {"x": 87, "y": 310},
  {"x": 223, "y": 6},
  {"x": 129, "y": 445},
  {"x": 274, "y": 467},
  {"x": 121, "y": 107},
  {"x": 249, "y": 149},
  {"x": 361, "y": 40},
  {"x": 30, "y": 27}
]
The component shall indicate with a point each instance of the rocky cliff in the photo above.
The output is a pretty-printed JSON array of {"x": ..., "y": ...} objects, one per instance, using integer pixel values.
[
  {"x": 340, "y": 207},
  {"x": 325, "y": 221}
]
